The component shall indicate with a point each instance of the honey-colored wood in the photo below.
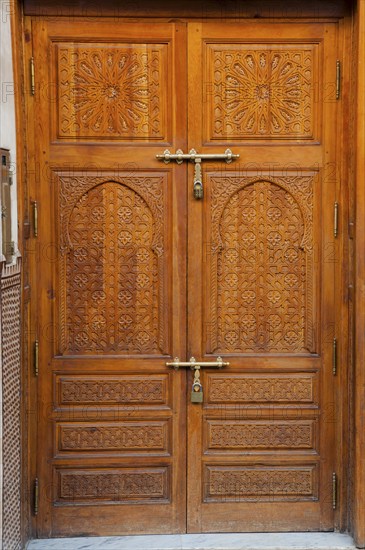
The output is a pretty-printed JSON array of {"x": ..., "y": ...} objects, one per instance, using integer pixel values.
[
  {"x": 261, "y": 276},
  {"x": 264, "y": 462},
  {"x": 111, "y": 276},
  {"x": 359, "y": 376}
]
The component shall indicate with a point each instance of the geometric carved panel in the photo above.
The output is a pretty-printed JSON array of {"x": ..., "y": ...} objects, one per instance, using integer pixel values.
[
  {"x": 239, "y": 483},
  {"x": 261, "y": 264},
  {"x": 263, "y": 435},
  {"x": 262, "y": 388},
  {"x": 11, "y": 378},
  {"x": 91, "y": 486},
  {"x": 112, "y": 91},
  {"x": 109, "y": 390},
  {"x": 260, "y": 93},
  {"x": 112, "y": 284},
  {"x": 146, "y": 436}
]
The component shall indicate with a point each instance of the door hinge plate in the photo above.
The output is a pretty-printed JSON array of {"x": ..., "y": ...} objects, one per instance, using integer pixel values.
[
  {"x": 335, "y": 220},
  {"x": 32, "y": 76},
  {"x": 36, "y": 357},
  {"x": 35, "y": 496},
  {"x": 334, "y": 356},
  {"x": 338, "y": 79},
  {"x": 334, "y": 490},
  {"x": 35, "y": 219}
]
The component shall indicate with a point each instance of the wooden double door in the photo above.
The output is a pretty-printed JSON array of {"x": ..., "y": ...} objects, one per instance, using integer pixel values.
[{"x": 141, "y": 272}]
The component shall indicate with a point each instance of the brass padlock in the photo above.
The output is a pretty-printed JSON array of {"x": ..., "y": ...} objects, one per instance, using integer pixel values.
[
  {"x": 197, "y": 393},
  {"x": 198, "y": 190}
]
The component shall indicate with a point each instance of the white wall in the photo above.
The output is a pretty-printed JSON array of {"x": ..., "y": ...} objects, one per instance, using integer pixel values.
[{"x": 7, "y": 110}]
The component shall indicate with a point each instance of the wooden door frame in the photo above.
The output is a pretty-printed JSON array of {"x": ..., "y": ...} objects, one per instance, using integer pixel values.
[{"x": 351, "y": 281}]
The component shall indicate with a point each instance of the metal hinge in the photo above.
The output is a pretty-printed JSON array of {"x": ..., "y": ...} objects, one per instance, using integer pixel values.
[
  {"x": 335, "y": 220},
  {"x": 338, "y": 79},
  {"x": 35, "y": 218},
  {"x": 334, "y": 356},
  {"x": 36, "y": 357},
  {"x": 334, "y": 490},
  {"x": 35, "y": 496},
  {"x": 32, "y": 76}
]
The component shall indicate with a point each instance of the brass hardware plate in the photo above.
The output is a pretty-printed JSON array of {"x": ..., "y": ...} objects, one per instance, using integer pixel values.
[
  {"x": 32, "y": 76},
  {"x": 334, "y": 356},
  {"x": 338, "y": 79},
  {"x": 198, "y": 190},
  {"x": 36, "y": 496},
  {"x": 193, "y": 363},
  {"x": 335, "y": 220},
  {"x": 193, "y": 156},
  {"x": 35, "y": 218},
  {"x": 334, "y": 491},
  {"x": 36, "y": 357}
]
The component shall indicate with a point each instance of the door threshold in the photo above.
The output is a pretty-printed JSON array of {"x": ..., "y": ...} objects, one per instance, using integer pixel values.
[{"x": 216, "y": 541}]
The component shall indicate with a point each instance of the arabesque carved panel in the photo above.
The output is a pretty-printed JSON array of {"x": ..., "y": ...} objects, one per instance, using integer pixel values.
[
  {"x": 109, "y": 390},
  {"x": 138, "y": 436},
  {"x": 262, "y": 388},
  {"x": 113, "y": 485},
  {"x": 112, "y": 91},
  {"x": 262, "y": 435},
  {"x": 260, "y": 92},
  {"x": 261, "y": 265},
  {"x": 270, "y": 482},
  {"x": 112, "y": 264}
]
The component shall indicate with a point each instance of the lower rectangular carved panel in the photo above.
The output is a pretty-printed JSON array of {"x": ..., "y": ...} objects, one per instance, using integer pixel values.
[
  {"x": 112, "y": 390},
  {"x": 112, "y": 485},
  {"x": 263, "y": 388},
  {"x": 139, "y": 437},
  {"x": 263, "y": 435},
  {"x": 240, "y": 483}
]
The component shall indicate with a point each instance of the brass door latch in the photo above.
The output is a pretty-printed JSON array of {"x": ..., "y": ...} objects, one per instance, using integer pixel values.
[
  {"x": 197, "y": 388},
  {"x": 197, "y": 158}
]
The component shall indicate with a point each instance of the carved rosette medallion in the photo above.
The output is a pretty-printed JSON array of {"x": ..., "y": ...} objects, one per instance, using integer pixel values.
[
  {"x": 261, "y": 93},
  {"x": 111, "y": 91}
]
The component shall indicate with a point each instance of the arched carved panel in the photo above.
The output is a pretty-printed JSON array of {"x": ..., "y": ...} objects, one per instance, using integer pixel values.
[
  {"x": 261, "y": 278},
  {"x": 112, "y": 280},
  {"x": 112, "y": 91},
  {"x": 261, "y": 92}
]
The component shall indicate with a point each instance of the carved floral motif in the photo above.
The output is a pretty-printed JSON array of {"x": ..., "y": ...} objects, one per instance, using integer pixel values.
[
  {"x": 261, "y": 93},
  {"x": 111, "y": 91}
]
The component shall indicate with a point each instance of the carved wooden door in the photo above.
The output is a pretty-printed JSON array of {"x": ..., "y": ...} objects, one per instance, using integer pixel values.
[
  {"x": 112, "y": 269},
  {"x": 261, "y": 276},
  {"x": 112, "y": 303}
]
